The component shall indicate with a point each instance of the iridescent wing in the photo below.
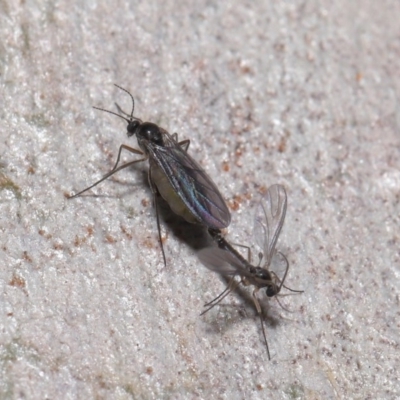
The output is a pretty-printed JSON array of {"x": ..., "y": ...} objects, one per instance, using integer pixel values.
[
  {"x": 269, "y": 218},
  {"x": 196, "y": 189}
]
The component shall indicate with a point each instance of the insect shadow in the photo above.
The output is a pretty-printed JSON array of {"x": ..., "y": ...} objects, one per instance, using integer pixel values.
[
  {"x": 224, "y": 259},
  {"x": 173, "y": 174}
]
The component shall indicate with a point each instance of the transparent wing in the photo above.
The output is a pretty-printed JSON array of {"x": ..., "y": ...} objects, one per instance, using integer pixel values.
[
  {"x": 223, "y": 262},
  {"x": 269, "y": 218},
  {"x": 196, "y": 189}
]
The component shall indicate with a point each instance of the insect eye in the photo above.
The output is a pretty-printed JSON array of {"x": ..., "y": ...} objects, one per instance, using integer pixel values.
[
  {"x": 272, "y": 290},
  {"x": 132, "y": 128}
]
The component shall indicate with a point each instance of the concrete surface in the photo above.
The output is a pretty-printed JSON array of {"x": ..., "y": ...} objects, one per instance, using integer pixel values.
[{"x": 305, "y": 94}]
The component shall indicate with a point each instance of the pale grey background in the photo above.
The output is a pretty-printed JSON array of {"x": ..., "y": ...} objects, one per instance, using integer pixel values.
[{"x": 305, "y": 94}]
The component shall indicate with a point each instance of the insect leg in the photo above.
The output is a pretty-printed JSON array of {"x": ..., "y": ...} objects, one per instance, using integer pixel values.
[
  {"x": 115, "y": 169},
  {"x": 259, "y": 311},
  {"x": 232, "y": 285},
  {"x": 244, "y": 247},
  {"x": 184, "y": 144},
  {"x": 155, "y": 191}
]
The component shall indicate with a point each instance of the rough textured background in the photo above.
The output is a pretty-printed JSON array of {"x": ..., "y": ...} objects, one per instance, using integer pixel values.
[{"x": 300, "y": 93}]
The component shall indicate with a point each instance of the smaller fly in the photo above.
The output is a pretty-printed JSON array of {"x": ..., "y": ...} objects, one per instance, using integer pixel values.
[
  {"x": 176, "y": 176},
  {"x": 224, "y": 259}
]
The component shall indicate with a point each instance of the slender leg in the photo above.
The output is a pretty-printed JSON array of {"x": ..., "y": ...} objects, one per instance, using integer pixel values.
[
  {"x": 185, "y": 144},
  {"x": 232, "y": 285},
  {"x": 259, "y": 311},
  {"x": 244, "y": 247},
  {"x": 154, "y": 190},
  {"x": 115, "y": 169}
]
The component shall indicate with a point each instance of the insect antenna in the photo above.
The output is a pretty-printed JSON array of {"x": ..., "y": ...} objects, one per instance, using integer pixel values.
[
  {"x": 113, "y": 113},
  {"x": 133, "y": 101},
  {"x": 120, "y": 110},
  {"x": 285, "y": 275},
  {"x": 286, "y": 270}
]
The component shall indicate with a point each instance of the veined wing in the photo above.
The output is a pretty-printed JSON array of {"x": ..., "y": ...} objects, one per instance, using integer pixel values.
[
  {"x": 196, "y": 189},
  {"x": 269, "y": 218},
  {"x": 223, "y": 262}
]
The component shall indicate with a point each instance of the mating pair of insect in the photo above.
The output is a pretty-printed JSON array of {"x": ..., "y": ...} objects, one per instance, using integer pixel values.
[{"x": 191, "y": 193}]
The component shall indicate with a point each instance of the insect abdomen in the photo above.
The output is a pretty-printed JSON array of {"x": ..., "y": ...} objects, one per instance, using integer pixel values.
[{"x": 170, "y": 195}]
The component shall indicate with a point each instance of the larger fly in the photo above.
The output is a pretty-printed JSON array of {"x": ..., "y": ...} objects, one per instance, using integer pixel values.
[
  {"x": 269, "y": 218},
  {"x": 179, "y": 179}
]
